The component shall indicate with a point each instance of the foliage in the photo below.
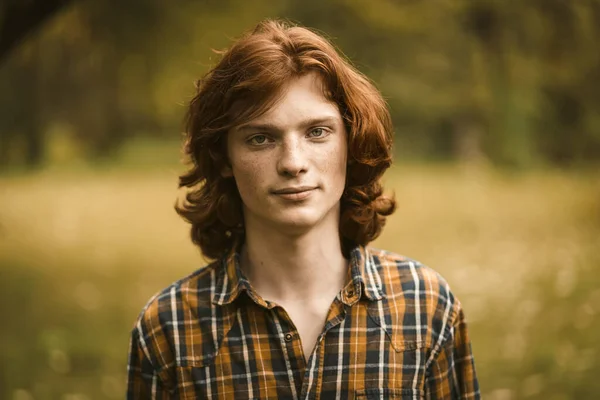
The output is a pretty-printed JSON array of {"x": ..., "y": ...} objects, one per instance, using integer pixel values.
[{"x": 515, "y": 83}]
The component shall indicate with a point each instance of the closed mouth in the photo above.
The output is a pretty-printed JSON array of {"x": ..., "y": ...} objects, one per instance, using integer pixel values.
[{"x": 292, "y": 190}]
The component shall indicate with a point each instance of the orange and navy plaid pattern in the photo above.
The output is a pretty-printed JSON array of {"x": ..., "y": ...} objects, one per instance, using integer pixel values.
[{"x": 394, "y": 331}]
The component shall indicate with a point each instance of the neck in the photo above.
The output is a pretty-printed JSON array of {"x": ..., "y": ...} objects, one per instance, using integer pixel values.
[{"x": 284, "y": 268}]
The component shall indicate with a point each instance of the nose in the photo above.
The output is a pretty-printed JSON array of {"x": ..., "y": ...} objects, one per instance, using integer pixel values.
[{"x": 292, "y": 158}]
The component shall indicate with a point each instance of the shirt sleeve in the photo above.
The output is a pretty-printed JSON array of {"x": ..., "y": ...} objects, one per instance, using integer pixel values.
[
  {"x": 452, "y": 373},
  {"x": 143, "y": 381}
]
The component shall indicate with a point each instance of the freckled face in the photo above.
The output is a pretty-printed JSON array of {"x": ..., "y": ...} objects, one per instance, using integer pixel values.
[{"x": 289, "y": 164}]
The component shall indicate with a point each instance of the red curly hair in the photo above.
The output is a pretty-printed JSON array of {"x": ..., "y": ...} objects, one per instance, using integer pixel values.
[{"x": 246, "y": 83}]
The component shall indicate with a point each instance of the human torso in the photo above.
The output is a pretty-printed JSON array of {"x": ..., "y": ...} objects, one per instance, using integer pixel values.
[{"x": 377, "y": 338}]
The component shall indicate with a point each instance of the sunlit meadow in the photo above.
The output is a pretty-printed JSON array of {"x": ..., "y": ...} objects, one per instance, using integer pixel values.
[{"x": 81, "y": 252}]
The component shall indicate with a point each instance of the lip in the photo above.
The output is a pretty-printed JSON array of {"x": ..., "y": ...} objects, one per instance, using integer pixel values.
[
  {"x": 294, "y": 189},
  {"x": 295, "y": 193}
]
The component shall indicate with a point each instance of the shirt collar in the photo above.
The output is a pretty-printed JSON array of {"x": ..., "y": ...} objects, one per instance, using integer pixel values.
[
  {"x": 364, "y": 280},
  {"x": 231, "y": 281}
]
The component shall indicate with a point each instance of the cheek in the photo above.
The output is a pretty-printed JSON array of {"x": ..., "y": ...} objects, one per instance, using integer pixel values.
[
  {"x": 249, "y": 175},
  {"x": 336, "y": 161},
  {"x": 332, "y": 168}
]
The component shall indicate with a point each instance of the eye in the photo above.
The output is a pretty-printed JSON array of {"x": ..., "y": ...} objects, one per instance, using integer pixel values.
[
  {"x": 317, "y": 133},
  {"x": 257, "y": 139}
]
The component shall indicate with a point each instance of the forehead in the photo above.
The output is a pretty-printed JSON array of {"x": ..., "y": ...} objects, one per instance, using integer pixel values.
[
  {"x": 304, "y": 94},
  {"x": 301, "y": 98}
]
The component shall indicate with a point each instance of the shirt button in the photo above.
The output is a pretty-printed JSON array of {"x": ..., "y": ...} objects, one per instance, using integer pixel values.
[
  {"x": 350, "y": 292},
  {"x": 288, "y": 337}
]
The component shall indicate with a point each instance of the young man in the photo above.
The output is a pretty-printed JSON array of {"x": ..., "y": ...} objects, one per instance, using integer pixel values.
[{"x": 288, "y": 143}]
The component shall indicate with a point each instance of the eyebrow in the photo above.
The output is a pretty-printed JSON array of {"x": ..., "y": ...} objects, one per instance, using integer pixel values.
[{"x": 326, "y": 120}]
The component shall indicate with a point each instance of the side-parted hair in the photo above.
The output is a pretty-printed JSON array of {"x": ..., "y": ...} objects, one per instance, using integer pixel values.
[{"x": 246, "y": 82}]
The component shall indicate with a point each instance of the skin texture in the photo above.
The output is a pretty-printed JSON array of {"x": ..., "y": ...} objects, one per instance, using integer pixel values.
[
  {"x": 292, "y": 254},
  {"x": 301, "y": 141}
]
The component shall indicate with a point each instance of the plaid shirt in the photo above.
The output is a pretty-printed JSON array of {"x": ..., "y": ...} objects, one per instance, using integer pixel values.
[{"x": 394, "y": 331}]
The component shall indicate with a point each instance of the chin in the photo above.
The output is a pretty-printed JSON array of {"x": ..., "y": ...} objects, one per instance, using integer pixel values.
[{"x": 299, "y": 221}]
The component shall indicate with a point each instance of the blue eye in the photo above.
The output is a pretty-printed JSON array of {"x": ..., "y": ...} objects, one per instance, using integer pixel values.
[
  {"x": 317, "y": 132},
  {"x": 258, "y": 139}
]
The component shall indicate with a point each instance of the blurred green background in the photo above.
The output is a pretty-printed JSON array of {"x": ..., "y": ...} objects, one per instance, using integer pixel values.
[{"x": 496, "y": 106}]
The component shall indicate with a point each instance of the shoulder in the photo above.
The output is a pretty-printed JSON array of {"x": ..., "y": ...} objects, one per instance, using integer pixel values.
[
  {"x": 182, "y": 310},
  {"x": 409, "y": 275},
  {"x": 197, "y": 288},
  {"x": 423, "y": 296}
]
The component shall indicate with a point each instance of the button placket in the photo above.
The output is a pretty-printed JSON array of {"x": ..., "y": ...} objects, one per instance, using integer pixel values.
[{"x": 286, "y": 336}]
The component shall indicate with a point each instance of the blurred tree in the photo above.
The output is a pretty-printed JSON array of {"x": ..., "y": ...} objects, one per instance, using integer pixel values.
[
  {"x": 20, "y": 125},
  {"x": 570, "y": 86},
  {"x": 19, "y": 18}
]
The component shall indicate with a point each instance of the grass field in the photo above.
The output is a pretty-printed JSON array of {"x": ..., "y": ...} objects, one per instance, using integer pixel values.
[{"x": 80, "y": 253}]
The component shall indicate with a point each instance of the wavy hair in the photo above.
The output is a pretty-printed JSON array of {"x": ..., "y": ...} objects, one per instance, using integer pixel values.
[{"x": 244, "y": 84}]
